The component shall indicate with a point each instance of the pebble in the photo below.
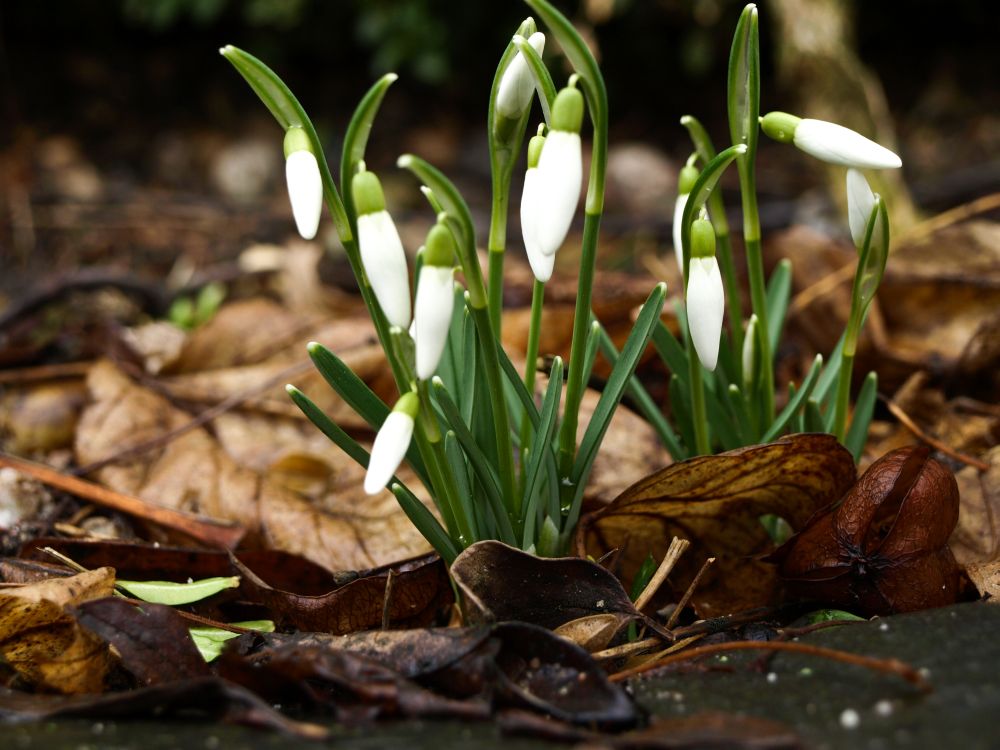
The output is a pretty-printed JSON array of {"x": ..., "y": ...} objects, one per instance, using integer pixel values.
[{"x": 849, "y": 719}]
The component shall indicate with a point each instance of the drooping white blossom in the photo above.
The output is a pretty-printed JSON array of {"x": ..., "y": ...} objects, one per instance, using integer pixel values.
[
  {"x": 305, "y": 185},
  {"x": 829, "y": 142},
  {"x": 706, "y": 301},
  {"x": 517, "y": 84},
  {"x": 391, "y": 443},
  {"x": 860, "y": 202}
]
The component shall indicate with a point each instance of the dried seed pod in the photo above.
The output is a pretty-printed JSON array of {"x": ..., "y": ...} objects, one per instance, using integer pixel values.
[{"x": 884, "y": 548}]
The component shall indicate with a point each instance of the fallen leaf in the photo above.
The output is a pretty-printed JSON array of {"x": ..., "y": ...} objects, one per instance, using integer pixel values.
[
  {"x": 44, "y": 643},
  {"x": 419, "y": 591},
  {"x": 976, "y": 538},
  {"x": 345, "y": 531},
  {"x": 501, "y": 583},
  {"x": 152, "y": 641},
  {"x": 40, "y": 418},
  {"x": 716, "y": 502}
]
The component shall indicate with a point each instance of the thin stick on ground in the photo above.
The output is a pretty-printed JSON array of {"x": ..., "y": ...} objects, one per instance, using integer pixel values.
[
  {"x": 907, "y": 421},
  {"x": 674, "y": 552},
  {"x": 886, "y": 666},
  {"x": 688, "y": 594},
  {"x": 212, "y": 532}
]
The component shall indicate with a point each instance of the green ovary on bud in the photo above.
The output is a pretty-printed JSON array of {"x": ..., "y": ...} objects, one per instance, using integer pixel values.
[
  {"x": 567, "y": 110},
  {"x": 685, "y": 183},
  {"x": 305, "y": 184},
  {"x": 439, "y": 249},
  {"x": 686, "y": 179},
  {"x": 535, "y": 148},
  {"x": 702, "y": 239},
  {"x": 367, "y": 192},
  {"x": 780, "y": 126},
  {"x": 391, "y": 443}
]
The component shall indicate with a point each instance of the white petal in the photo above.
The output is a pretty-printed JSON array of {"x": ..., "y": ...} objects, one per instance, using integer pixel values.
[
  {"x": 541, "y": 264},
  {"x": 560, "y": 175},
  {"x": 432, "y": 316},
  {"x": 385, "y": 265},
  {"x": 390, "y": 446},
  {"x": 518, "y": 85},
  {"x": 305, "y": 191},
  {"x": 678, "y": 216},
  {"x": 860, "y": 202},
  {"x": 706, "y": 302},
  {"x": 839, "y": 145}
]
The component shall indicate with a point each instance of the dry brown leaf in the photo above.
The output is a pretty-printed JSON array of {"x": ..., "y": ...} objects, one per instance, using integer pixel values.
[
  {"x": 40, "y": 417},
  {"x": 986, "y": 578},
  {"x": 44, "y": 644},
  {"x": 715, "y": 502},
  {"x": 976, "y": 539},
  {"x": 594, "y": 632},
  {"x": 345, "y": 530}
]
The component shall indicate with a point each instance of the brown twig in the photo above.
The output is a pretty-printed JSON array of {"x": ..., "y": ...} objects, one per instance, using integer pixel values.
[
  {"x": 954, "y": 215},
  {"x": 886, "y": 666},
  {"x": 202, "y": 419},
  {"x": 64, "y": 370},
  {"x": 197, "y": 618},
  {"x": 390, "y": 584},
  {"x": 209, "y": 531},
  {"x": 688, "y": 594},
  {"x": 674, "y": 552},
  {"x": 720, "y": 624},
  {"x": 913, "y": 427}
]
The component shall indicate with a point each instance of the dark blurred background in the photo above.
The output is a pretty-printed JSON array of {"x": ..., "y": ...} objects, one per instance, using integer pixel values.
[{"x": 125, "y": 138}]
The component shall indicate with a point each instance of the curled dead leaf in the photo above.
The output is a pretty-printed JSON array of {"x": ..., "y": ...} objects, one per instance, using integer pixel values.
[
  {"x": 716, "y": 502},
  {"x": 44, "y": 644}
]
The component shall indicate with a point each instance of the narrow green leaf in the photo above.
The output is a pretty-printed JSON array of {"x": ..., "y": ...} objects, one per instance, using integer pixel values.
[
  {"x": 740, "y": 418},
  {"x": 425, "y": 522},
  {"x": 702, "y": 189},
  {"x": 743, "y": 91},
  {"x": 824, "y": 386},
  {"x": 460, "y": 471},
  {"x": 459, "y": 220},
  {"x": 485, "y": 473},
  {"x": 635, "y": 345},
  {"x": 328, "y": 427},
  {"x": 680, "y": 408},
  {"x": 358, "y": 130},
  {"x": 700, "y": 138},
  {"x": 468, "y": 366},
  {"x": 543, "y": 79},
  {"x": 670, "y": 351},
  {"x": 864, "y": 409},
  {"x": 541, "y": 446},
  {"x": 281, "y": 102},
  {"x": 174, "y": 594},
  {"x": 794, "y": 404},
  {"x": 831, "y": 615},
  {"x": 779, "y": 292},
  {"x": 210, "y": 641},
  {"x": 512, "y": 376},
  {"x": 644, "y": 402},
  {"x": 813, "y": 419}
]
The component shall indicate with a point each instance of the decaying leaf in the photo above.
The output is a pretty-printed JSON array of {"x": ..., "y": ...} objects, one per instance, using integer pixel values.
[
  {"x": 986, "y": 578},
  {"x": 716, "y": 502},
  {"x": 976, "y": 538},
  {"x": 152, "y": 640},
  {"x": 594, "y": 632},
  {"x": 884, "y": 548},
  {"x": 345, "y": 531},
  {"x": 40, "y": 640},
  {"x": 419, "y": 591},
  {"x": 500, "y": 583}
]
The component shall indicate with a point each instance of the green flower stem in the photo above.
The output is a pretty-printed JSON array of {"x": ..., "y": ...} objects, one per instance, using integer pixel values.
[
  {"x": 497, "y": 247},
  {"x": 755, "y": 273},
  {"x": 578, "y": 346},
  {"x": 498, "y": 404},
  {"x": 531, "y": 356},
  {"x": 699, "y": 416},
  {"x": 843, "y": 396}
]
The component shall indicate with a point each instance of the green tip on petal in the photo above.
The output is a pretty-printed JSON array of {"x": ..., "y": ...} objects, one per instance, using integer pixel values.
[
  {"x": 296, "y": 139},
  {"x": 688, "y": 177},
  {"x": 702, "y": 239},
  {"x": 367, "y": 192},
  {"x": 780, "y": 126},
  {"x": 567, "y": 111},
  {"x": 409, "y": 404},
  {"x": 439, "y": 249}
]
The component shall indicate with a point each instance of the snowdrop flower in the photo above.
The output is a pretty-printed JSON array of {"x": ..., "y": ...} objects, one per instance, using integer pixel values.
[
  {"x": 685, "y": 182},
  {"x": 705, "y": 296},
  {"x": 517, "y": 84},
  {"x": 860, "y": 203},
  {"x": 829, "y": 142},
  {"x": 560, "y": 172},
  {"x": 305, "y": 185},
  {"x": 391, "y": 443},
  {"x": 435, "y": 300},
  {"x": 541, "y": 263},
  {"x": 382, "y": 252},
  {"x": 750, "y": 353}
]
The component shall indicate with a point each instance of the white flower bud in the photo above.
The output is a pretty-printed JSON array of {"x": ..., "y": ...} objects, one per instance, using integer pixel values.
[
  {"x": 518, "y": 85},
  {"x": 706, "y": 302},
  {"x": 384, "y": 260},
  {"x": 305, "y": 191},
  {"x": 860, "y": 202},
  {"x": 541, "y": 263},
  {"x": 677, "y": 229},
  {"x": 391, "y": 443},
  {"x": 839, "y": 145},
  {"x": 432, "y": 316},
  {"x": 560, "y": 175}
]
